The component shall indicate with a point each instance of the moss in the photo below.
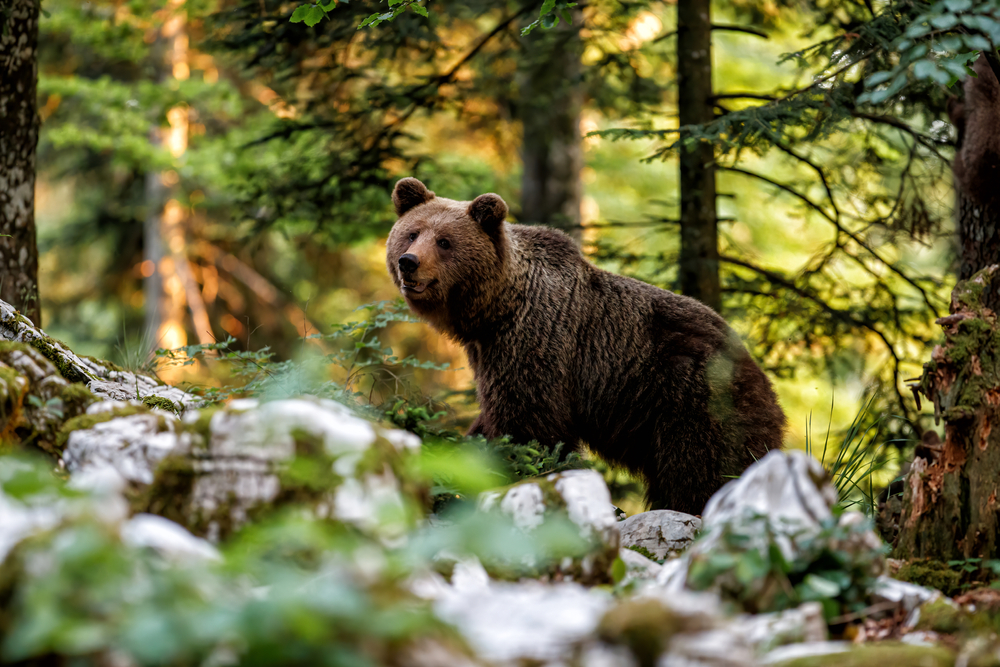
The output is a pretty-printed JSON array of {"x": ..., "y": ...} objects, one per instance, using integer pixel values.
[
  {"x": 76, "y": 398},
  {"x": 45, "y": 345},
  {"x": 12, "y": 395},
  {"x": 887, "y": 653},
  {"x": 111, "y": 366},
  {"x": 169, "y": 495},
  {"x": 83, "y": 422},
  {"x": 932, "y": 574},
  {"x": 643, "y": 551},
  {"x": 201, "y": 427},
  {"x": 939, "y": 616},
  {"x": 161, "y": 403},
  {"x": 644, "y": 626}
]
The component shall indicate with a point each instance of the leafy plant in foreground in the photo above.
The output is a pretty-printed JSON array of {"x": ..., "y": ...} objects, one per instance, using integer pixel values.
[{"x": 748, "y": 565}]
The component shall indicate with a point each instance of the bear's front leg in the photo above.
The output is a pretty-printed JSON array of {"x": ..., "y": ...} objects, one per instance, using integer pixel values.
[{"x": 481, "y": 426}]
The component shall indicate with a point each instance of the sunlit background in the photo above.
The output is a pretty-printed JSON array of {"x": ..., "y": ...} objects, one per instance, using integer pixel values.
[{"x": 155, "y": 117}]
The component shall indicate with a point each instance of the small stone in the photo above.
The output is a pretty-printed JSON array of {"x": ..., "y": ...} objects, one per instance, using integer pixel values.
[
  {"x": 662, "y": 533},
  {"x": 906, "y": 597},
  {"x": 765, "y": 632}
]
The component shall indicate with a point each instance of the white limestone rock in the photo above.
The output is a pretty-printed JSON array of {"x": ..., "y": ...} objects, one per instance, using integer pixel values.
[
  {"x": 799, "y": 652},
  {"x": 505, "y": 622},
  {"x": 795, "y": 496},
  {"x": 233, "y": 460},
  {"x": 903, "y": 598},
  {"x": 766, "y": 632},
  {"x": 638, "y": 566},
  {"x": 167, "y": 538},
  {"x": 103, "y": 380},
  {"x": 713, "y": 648},
  {"x": 663, "y": 533},
  {"x": 580, "y": 495},
  {"x": 131, "y": 444}
]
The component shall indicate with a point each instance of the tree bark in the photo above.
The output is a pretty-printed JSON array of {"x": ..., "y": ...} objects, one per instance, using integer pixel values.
[
  {"x": 18, "y": 139},
  {"x": 950, "y": 507},
  {"x": 551, "y": 97},
  {"x": 699, "y": 258}
]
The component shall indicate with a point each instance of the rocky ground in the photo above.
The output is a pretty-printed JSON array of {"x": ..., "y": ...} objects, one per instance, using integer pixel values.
[{"x": 294, "y": 531}]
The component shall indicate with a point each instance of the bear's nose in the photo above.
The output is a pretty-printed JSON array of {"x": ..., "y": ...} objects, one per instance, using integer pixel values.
[{"x": 409, "y": 263}]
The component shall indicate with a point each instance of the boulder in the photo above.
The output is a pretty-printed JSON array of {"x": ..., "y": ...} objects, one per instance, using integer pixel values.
[
  {"x": 582, "y": 497},
  {"x": 776, "y": 520},
  {"x": 103, "y": 379},
  {"x": 35, "y": 399},
  {"x": 232, "y": 463},
  {"x": 659, "y": 533},
  {"x": 765, "y": 632},
  {"x": 166, "y": 538},
  {"x": 128, "y": 437},
  {"x": 532, "y": 622}
]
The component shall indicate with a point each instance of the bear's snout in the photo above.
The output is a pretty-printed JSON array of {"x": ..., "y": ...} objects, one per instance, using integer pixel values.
[{"x": 409, "y": 263}]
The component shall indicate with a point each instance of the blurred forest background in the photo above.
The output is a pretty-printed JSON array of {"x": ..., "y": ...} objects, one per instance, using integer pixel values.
[{"x": 210, "y": 168}]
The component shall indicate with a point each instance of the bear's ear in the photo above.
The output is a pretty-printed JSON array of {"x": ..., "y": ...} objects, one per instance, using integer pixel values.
[
  {"x": 410, "y": 192},
  {"x": 489, "y": 211}
]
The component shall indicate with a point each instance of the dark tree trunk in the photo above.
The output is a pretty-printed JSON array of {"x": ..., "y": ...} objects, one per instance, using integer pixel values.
[
  {"x": 551, "y": 96},
  {"x": 950, "y": 505},
  {"x": 18, "y": 140},
  {"x": 699, "y": 260}
]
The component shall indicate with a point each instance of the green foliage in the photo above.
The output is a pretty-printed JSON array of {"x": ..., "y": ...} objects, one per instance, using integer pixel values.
[
  {"x": 548, "y": 15},
  {"x": 937, "y": 46},
  {"x": 748, "y": 566},
  {"x": 288, "y": 590},
  {"x": 377, "y": 386}
]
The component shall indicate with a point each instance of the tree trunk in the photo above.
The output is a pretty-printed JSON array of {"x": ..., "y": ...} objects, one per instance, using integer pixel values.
[
  {"x": 950, "y": 508},
  {"x": 18, "y": 140},
  {"x": 699, "y": 259},
  {"x": 551, "y": 96},
  {"x": 977, "y": 174}
]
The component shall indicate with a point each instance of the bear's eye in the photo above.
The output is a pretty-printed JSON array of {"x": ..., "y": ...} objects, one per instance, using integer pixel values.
[
  {"x": 444, "y": 244},
  {"x": 413, "y": 236}
]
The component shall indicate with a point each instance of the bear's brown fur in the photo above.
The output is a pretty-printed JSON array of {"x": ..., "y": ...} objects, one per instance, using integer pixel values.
[
  {"x": 977, "y": 118},
  {"x": 565, "y": 352}
]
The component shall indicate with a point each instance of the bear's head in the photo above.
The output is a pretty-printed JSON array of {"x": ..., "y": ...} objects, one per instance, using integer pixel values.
[{"x": 446, "y": 256}]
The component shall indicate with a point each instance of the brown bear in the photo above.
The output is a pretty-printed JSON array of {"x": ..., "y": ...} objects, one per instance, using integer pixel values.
[{"x": 563, "y": 351}]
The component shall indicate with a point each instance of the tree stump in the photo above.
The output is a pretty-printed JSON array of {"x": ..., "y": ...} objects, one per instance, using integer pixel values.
[{"x": 950, "y": 508}]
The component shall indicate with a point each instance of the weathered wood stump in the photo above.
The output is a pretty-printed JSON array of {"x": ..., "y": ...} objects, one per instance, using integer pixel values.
[{"x": 950, "y": 508}]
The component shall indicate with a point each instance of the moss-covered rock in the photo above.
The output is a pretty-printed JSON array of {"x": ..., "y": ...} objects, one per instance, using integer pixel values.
[
  {"x": 942, "y": 616},
  {"x": 239, "y": 462},
  {"x": 88, "y": 421},
  {"x": 896, "y": 655},
  {"x": 932, "y": 574},
  {"x": 580, "y": 501},
  {"x": 37, "y": 398},
  {"x": 642, "y": 551},
  {"x": 645, "y": 626},
  {"x": 160, "y": 403}
]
